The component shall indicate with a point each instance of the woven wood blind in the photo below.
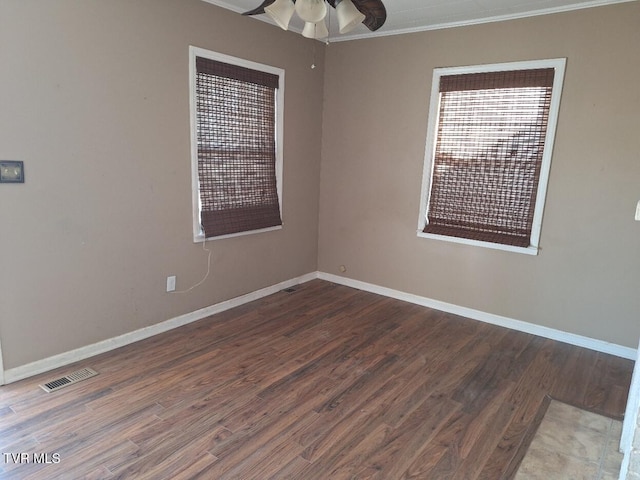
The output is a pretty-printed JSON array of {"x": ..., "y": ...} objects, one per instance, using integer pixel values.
[
  {"x": 235, "y": 117},
  {"x": 488, "y": 155}
]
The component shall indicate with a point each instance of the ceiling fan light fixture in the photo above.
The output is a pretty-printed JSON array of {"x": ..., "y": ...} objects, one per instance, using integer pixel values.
[
  {"x": 348, "y": 15},
  {"x": 371, "y": 13},
  {"x": 315, "y": 30},
  {"x": 311, "y": 11},
  {"x": 281, "y": 12}
]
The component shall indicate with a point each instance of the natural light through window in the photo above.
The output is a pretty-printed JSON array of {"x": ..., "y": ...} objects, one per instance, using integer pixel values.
[{"x": 489, "y": 149}]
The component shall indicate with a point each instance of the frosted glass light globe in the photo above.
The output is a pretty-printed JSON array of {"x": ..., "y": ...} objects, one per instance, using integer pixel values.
[{"x": 311, "y": 11}]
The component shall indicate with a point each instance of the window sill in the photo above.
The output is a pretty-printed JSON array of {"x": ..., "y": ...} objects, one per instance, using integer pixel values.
[
  {"x": 201, "y": 238},
  {"x": 531, "y": 250}
]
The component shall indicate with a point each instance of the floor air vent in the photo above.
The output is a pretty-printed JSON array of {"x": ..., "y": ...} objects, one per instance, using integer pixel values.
[{"x": 70, "y": 379}]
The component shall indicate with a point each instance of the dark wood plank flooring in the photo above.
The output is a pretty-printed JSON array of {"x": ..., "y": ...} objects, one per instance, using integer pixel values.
[{"x": 325, "y": 382}]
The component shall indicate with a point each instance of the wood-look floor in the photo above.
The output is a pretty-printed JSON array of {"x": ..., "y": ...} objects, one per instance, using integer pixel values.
[{"x": 326, "y": 382}]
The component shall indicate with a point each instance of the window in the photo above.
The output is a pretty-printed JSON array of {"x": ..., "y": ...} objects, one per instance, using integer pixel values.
[
  {"x": 236, "y": 135},
  {"x": 488, "y": 153}
]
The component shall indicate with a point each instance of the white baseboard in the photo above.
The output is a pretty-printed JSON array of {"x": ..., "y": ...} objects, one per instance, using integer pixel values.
[
  {"x": 546, "y": 332},
  {"x": 66, "y": 358}
]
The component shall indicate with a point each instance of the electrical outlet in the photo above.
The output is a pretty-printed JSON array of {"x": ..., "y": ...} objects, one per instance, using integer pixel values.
[
  {"x": 171, "y": 283},
  {"x": 638, "y": 212}
]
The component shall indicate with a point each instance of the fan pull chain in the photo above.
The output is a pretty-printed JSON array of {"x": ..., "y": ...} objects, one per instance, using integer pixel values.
[
  {"x": 313, "y": 64},
  {"x": 326, "y": 42}
]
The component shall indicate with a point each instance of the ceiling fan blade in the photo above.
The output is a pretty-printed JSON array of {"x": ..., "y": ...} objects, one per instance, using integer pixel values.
[
  {"x": 260, "y": 9},
  {"x": 374, "y": 12}
]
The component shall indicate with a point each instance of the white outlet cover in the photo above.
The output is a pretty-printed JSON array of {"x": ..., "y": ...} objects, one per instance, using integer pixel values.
[
  {"x": 171, "y": 283},
  {"x": 638, "y": 211}
]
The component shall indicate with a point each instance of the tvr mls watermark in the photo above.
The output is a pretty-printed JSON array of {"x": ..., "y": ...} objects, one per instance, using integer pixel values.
[{"x": 23, "y": 457}]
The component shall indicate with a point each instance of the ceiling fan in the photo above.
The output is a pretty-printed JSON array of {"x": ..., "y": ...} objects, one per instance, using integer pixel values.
[{"x": 313, "y": 12}]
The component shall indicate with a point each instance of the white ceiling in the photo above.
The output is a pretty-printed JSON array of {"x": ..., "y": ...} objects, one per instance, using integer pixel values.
[{"x": 405, "y": 16}]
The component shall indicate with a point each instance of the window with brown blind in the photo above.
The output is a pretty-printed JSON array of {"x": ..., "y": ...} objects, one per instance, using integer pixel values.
[
  {"x": 489, "y": 149},
  {"x": 236, "y": 126}
]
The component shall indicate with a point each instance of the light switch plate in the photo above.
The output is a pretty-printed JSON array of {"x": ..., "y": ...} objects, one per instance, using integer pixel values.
[{"x": 11, "y": 171}]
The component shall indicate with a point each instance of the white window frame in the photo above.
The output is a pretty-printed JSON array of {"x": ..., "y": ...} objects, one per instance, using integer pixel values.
[
  {"x": 559, "y": 65},
  {"x": 198, "y": 232}
]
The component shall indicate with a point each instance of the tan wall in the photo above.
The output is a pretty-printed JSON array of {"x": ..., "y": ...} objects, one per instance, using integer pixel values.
[
  {"x": 586, "y": 280},
  {"x": 94, "y": 98}
]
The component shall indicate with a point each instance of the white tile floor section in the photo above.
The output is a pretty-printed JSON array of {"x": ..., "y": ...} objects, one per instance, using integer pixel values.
[{"x": 573, "y": 444}]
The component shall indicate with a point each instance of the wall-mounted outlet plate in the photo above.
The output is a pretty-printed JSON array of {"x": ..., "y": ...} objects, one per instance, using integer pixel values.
[
  {"x": 171, "y": 283},
  {"x": 638, "y": 211},
  {"x": 11, "y": 171}
]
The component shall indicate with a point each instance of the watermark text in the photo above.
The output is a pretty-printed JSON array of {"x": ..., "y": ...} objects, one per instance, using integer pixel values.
[{"x": 24, "y": 457}]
